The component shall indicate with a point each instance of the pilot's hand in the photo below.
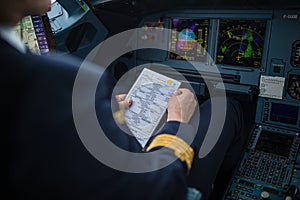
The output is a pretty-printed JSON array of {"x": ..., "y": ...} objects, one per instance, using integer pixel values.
[
  {"x": 182, "y": 106},
  {"x": 123, "y": 104}
]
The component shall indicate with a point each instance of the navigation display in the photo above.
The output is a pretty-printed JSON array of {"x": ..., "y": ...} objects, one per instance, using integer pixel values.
[
  {"x": 186, "y": 35},
  {"x": 240, "y": 42}
]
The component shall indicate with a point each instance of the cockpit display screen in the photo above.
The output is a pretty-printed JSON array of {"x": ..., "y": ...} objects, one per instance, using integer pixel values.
[
  {"x": 33, "y": 32},
  {"x": 284, "y": 113},
  {"x": 189, "y": 39},
  {"x": 275, "y": 143},
  {"x": 241, "y": 42}
]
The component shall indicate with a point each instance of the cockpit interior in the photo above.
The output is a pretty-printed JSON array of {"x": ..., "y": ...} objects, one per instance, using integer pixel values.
[{"x": 249, "y": 49}]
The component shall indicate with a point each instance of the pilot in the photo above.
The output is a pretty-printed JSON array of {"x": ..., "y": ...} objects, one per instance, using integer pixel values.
[{"x": 44, "y": 157}]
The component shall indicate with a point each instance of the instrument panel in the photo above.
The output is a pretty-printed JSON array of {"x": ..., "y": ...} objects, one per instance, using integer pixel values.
[{"x": 245, "y": 46}]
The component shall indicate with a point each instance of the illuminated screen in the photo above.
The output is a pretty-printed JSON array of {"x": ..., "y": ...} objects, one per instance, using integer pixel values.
[
  {"x": 186, "y": 34},
  {"x": 33, "y": 33},
  {"x": 240, "y": 42},
  {"x": 284, "y": 113},
  {"x": 275, "y": 143},
  {"x": 295, "y": 58}
]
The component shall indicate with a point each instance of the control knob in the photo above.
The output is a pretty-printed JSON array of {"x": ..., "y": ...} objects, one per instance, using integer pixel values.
[{"x": 265, "y": 195}]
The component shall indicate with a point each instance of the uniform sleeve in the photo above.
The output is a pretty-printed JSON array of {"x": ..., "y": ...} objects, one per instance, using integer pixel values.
[{"x": 164, "y": 181}]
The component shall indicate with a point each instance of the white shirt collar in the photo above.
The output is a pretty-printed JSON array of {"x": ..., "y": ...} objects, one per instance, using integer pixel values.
[{"x": 10, "y": 35}]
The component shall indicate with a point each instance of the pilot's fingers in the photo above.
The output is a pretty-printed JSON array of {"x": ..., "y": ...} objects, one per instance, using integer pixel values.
[
  {"x": 125, "y": 104},
  {"x": 178, "y": 92},
  {"x": 182, "y": 91},
  {"x": 120, "y": 97}
]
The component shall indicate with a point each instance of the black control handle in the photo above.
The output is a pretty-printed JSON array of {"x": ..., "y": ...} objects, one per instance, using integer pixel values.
[{"x": 292, "y": 193}]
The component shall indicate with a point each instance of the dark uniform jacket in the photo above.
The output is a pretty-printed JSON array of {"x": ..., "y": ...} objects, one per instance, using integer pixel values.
[{"x": 42, "y": 154}]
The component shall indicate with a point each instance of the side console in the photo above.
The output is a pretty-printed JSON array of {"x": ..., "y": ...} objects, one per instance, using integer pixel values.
[{"x": 267, "y": 167}]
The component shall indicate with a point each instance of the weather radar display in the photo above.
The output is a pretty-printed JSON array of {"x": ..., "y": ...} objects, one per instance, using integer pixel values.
[
  {"x": 189, "y": 39},
  {"x": 241, "y": 42}
]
